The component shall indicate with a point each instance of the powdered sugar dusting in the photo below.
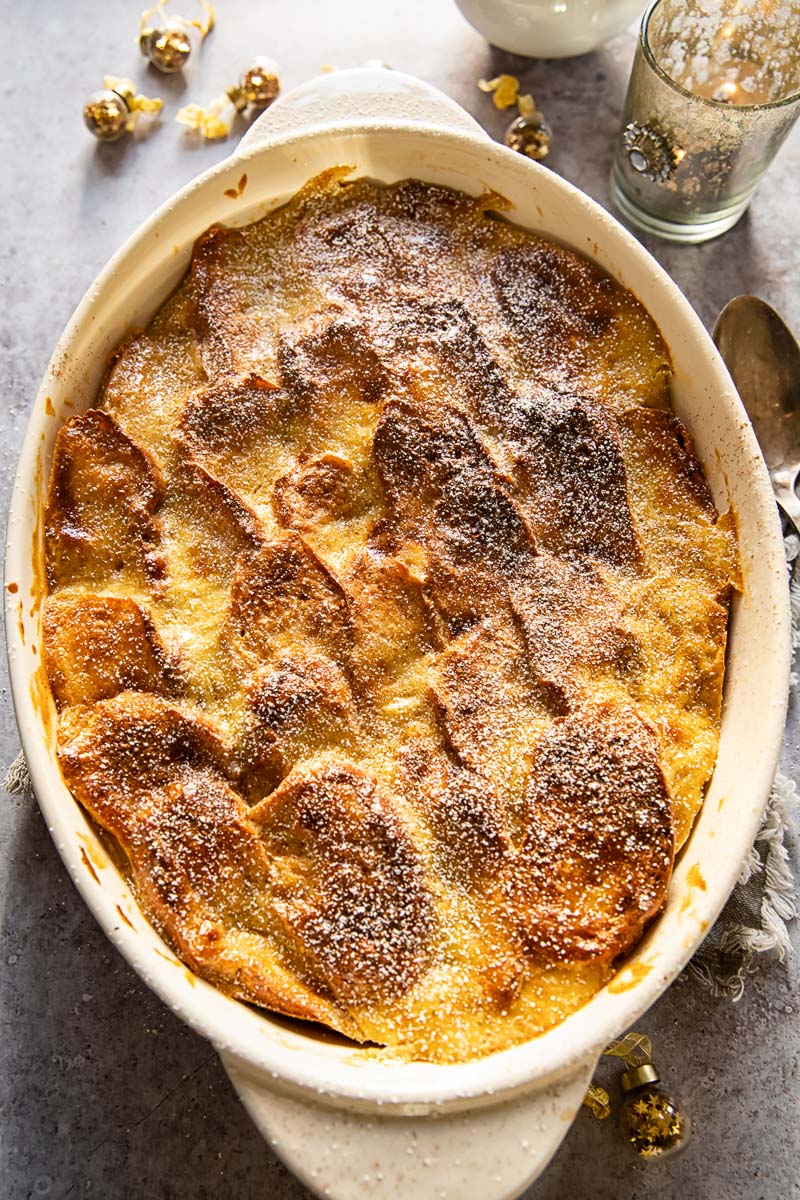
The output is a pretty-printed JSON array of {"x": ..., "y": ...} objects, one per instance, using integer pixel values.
[{"x": 392, "y": 710}]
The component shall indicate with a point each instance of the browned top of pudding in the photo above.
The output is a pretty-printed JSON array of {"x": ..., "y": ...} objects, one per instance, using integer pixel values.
[{"x": 387, "y": 618}]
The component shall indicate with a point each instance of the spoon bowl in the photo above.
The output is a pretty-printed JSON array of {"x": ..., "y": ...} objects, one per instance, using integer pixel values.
[{"x": 763, "y": 358}]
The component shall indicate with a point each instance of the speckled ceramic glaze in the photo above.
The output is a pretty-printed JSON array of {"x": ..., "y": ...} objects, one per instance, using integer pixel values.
[{"x": 352, "y": 1122}]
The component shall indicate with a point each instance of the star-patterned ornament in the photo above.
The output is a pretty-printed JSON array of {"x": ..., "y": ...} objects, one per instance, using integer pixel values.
[{"x": 651, "y": 1122}]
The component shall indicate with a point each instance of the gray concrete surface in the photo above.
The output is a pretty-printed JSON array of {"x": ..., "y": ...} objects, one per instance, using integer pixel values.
[{"x": 104, "y": 1092}]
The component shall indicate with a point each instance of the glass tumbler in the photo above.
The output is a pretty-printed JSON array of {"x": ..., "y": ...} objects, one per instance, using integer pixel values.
[{"x": 714, "y": 90}]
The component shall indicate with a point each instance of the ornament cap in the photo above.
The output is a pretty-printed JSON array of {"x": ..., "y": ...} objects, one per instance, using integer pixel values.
[{"x": 637, "y": 1077}]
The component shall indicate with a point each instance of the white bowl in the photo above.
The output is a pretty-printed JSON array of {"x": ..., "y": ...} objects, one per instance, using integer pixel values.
[
  {"x": 480, "y": 1130},
  {"x": 546, "y": 29}
]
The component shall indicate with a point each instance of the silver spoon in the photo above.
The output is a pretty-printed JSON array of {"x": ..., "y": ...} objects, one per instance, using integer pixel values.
[{"x": 763, "y": 358}]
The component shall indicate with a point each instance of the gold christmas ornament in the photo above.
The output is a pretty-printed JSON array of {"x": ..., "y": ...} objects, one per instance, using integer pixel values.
[
  {"x": 529, "y": 136},
  {"x": 167, "y": 48},
  {"x": 528, "y": 133},
  {"x": 105, "y": 114},
  {"x": 257, "y": 88},
  {"x": 166, "y": 41},
  {"x": 651, "y": 1122},
  {"x": 114, "y": 111}
]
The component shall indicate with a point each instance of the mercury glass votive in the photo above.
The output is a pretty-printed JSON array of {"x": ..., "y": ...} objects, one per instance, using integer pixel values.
[{"x": 714, "y": 90}]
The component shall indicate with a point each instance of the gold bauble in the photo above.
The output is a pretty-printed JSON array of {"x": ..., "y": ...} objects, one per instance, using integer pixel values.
[
  {"x": 261, "y": 82},
  {"x": 168, "y": 48},
  {"x": 652, "y": 1124},
  {"x": 106, "y": 114},
  {"x": 529, "y": 136}
]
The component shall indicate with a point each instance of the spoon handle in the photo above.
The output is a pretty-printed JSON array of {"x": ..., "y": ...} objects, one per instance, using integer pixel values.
[{"x": 788, "y": 503}]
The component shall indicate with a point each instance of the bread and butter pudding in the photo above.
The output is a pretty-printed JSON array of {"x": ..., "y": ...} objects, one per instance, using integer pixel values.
[{"x": 386, "y": 618}]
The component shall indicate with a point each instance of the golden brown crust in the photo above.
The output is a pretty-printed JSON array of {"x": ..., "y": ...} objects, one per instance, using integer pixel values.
[
  {"x": 393, "y": 622},
  {"x": 283, "y": 596},
  {"x": 388, "y": 493},
  {"x": 351, "y": 885},
  {"x": 317, "y": 490},
  {"x": 468, "y": 818},
  {"x": 439, "y": 348},
  {"x": 568, "y": 459},
  {"x": 97, "y": 646},
  {"x": 124, "y": 747},
  {"x": 595, "y": 863},
  {"x": 573, "y": 627},
  {"x": 671, "y": 502},
  {"x": 446, "y": 495},
  {"x": 298, "y": 707},
  {"x": 153, "y": 774},
  {"x": 104, "y": 490},
  {"x": 488, "y": 705},
  {"x": 228, "y": 431},
  {"x": 206, "y": 259},
  {"x": 329, "y": 354},
  {"x": 548, "y": 294}
]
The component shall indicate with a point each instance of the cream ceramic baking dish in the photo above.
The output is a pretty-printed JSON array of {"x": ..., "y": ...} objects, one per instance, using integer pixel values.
[{"x": 352, "y": 1122}]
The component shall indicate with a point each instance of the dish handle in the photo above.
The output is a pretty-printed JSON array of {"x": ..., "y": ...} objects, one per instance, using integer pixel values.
[
  {"x": 373, "y": 96},
  {"x": 491, "y": 1153}
]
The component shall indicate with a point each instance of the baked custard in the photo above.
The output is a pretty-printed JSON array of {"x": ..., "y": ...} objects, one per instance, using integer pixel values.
[{"x": 386, "y": 618}]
